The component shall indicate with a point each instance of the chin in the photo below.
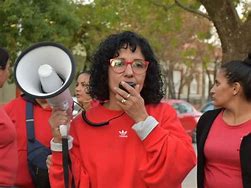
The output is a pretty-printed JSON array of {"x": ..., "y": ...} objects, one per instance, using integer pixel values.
[{"x": 217, "y": 105}]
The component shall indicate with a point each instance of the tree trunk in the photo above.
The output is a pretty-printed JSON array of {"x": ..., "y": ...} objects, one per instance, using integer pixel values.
[{"x": 234, "y": 34}]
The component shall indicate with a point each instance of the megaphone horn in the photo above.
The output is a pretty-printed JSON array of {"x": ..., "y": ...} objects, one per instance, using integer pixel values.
[{"x": 26, "y": 69}]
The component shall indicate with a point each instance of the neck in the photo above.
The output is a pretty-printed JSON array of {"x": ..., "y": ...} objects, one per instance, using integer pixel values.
[
  {"x": 42, "y": 103},
  {"x": 238, "y": 114},
  {"x": 112, "y": 103},
  {"x": 86, "y": 105}
]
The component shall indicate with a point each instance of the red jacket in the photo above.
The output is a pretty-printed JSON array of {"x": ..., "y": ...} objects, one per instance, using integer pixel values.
[
  {"x": 113, "y": 156},
  {"x": 8, "y": 151},
  {"x": 16, "y": 110}
]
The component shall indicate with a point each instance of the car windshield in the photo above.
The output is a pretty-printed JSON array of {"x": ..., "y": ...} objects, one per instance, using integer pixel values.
[
  {"x": 207, "y": 106},
  {"x": 182, "y": 108}
]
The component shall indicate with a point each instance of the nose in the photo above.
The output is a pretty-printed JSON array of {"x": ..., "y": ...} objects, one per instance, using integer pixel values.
[
  {"x": 212, "y": 90},
  {"x": 77, "y": 88},
  {"x": 128, "y": 70}
]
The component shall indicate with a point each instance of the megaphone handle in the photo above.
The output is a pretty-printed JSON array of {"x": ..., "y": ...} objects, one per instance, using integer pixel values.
[
  {"x": 63, "y": 130},
  {"x": 65, "y": 161}
]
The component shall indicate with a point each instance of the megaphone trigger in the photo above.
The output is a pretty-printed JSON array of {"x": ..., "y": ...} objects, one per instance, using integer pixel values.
[{"x": 63, "y": 130}]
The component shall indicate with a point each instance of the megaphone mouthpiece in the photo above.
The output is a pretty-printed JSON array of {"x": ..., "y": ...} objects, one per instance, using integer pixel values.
[
  {"x": 45, "y": 70},
  {"x": 49, "y": 79}
]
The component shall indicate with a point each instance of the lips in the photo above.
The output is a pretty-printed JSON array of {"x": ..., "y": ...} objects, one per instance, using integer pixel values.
[{"x": 78, "y": 95}]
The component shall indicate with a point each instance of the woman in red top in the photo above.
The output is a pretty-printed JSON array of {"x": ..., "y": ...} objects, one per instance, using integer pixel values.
[
  {"x": 8, "y": 145},
  {"x": 16, "y": 110},
  {"x": 224, "y": 134},
  {"x": 131, "y": 139}
]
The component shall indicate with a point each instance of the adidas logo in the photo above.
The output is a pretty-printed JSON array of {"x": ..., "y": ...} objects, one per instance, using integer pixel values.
[{"x": 123, "y": 134}]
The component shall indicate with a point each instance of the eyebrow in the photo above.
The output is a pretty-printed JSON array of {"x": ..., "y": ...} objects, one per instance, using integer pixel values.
[
  {"x": 133, "y": 59},
  {"x": 85, "y": 83}
]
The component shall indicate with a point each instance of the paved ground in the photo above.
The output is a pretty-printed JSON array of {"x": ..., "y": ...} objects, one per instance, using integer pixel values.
[{"x": 190, "y": 181}]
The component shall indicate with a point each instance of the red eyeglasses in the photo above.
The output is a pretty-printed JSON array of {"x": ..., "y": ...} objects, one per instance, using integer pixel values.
[{"x": 139, "y": 66}]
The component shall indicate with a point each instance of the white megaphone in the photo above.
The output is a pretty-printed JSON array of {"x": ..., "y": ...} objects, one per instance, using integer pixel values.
[{"x": 45, "y": 70}]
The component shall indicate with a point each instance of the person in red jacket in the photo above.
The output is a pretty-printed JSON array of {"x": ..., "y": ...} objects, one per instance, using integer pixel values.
[
  {"x": 8, "y": 145},
  {"x": 131, "y": 139},
  {"x": 16, "y": 109}
]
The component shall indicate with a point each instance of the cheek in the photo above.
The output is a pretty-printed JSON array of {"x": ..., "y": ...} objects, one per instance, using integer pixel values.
[
  {"x": 113, "y": 79},
  {"x": 223, "y": 94},
  {"x": 140, "y": 80}
]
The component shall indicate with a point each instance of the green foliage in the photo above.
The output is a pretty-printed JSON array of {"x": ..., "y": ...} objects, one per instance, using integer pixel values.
[
  {"x": 167, "y": 29},
  {"x": 204, "y": 35},
  {"x": 105, "y": 17},
  {"x": 28, "y": 21}
]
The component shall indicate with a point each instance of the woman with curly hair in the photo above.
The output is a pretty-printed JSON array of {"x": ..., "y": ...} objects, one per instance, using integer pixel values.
[
  {"x": 84, "y": 100},
  {"x": 130, "y": 139}
]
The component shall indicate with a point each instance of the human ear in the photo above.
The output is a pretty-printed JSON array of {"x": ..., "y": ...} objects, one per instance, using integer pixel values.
[{"x": 236, "y": 88}]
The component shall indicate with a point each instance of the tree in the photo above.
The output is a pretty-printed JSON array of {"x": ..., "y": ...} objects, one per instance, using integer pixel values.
[
  {"x": 24, "y": 22},
  {"x": 167, "y": 27},
  {"x": 233, "y": 30}
]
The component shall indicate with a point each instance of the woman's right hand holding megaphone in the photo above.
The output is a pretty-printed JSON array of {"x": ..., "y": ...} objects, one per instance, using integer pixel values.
[{"x": 57, "y": 119}]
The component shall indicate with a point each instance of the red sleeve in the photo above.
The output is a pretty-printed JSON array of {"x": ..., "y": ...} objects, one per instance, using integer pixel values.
[
  {"x": 8, "y": 107},
  {"x": 13, "y": 108},
  {"x": 170, "y": 152},
  {"x": 56, "y": 173},
  {"x": 81, "y": 177}
]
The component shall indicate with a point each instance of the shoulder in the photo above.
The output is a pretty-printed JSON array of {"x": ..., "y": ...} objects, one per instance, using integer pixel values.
[
  {"x": 211, "y": 114},
  {"x": 162, "y": 111},
  {"x": 4, "y": 117},
  {"x": 161, "y": 107},
  {"x": 94, "y": 103},
  {"x": 95, "y": 110},
  {"x": 208, "y": 117},
  {"x": 15, "y": 103},
  {"x": 2, "y": 113}
]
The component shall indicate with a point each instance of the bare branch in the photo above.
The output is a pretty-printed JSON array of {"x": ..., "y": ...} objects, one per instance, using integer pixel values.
[
  {"x": 178, "y": 3},
  {"x": 164, "y": 6}
]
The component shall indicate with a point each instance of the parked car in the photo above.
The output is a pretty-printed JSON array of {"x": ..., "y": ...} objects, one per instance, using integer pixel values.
[
  {"x": 208, "y": 106},
  {"x": 187, "y": 114}
]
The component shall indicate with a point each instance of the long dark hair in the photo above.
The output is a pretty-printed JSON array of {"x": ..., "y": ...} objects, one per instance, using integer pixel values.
[{"x": 152, "y": 91}]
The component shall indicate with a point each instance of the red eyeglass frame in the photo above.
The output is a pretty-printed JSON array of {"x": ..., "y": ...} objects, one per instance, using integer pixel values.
[{"x": 129, "y": 63}]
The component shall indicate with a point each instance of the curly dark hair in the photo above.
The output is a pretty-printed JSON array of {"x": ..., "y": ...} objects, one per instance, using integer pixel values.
[{"x": 152, "y": 91}]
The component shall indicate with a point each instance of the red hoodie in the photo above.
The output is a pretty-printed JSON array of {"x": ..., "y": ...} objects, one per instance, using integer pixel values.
[
  {"x": 113, "y": 156},
  {"x": 16, "y": 109},
  {"x": 8, "y": 150}
]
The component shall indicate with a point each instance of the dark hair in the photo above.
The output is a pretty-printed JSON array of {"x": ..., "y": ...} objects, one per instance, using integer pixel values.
[
  {"x": 239, "y": 71},
  {"x": 4, "y": 57},
  {"x": 152, "y": 91},
  {"x": 83, "y": 72}
]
